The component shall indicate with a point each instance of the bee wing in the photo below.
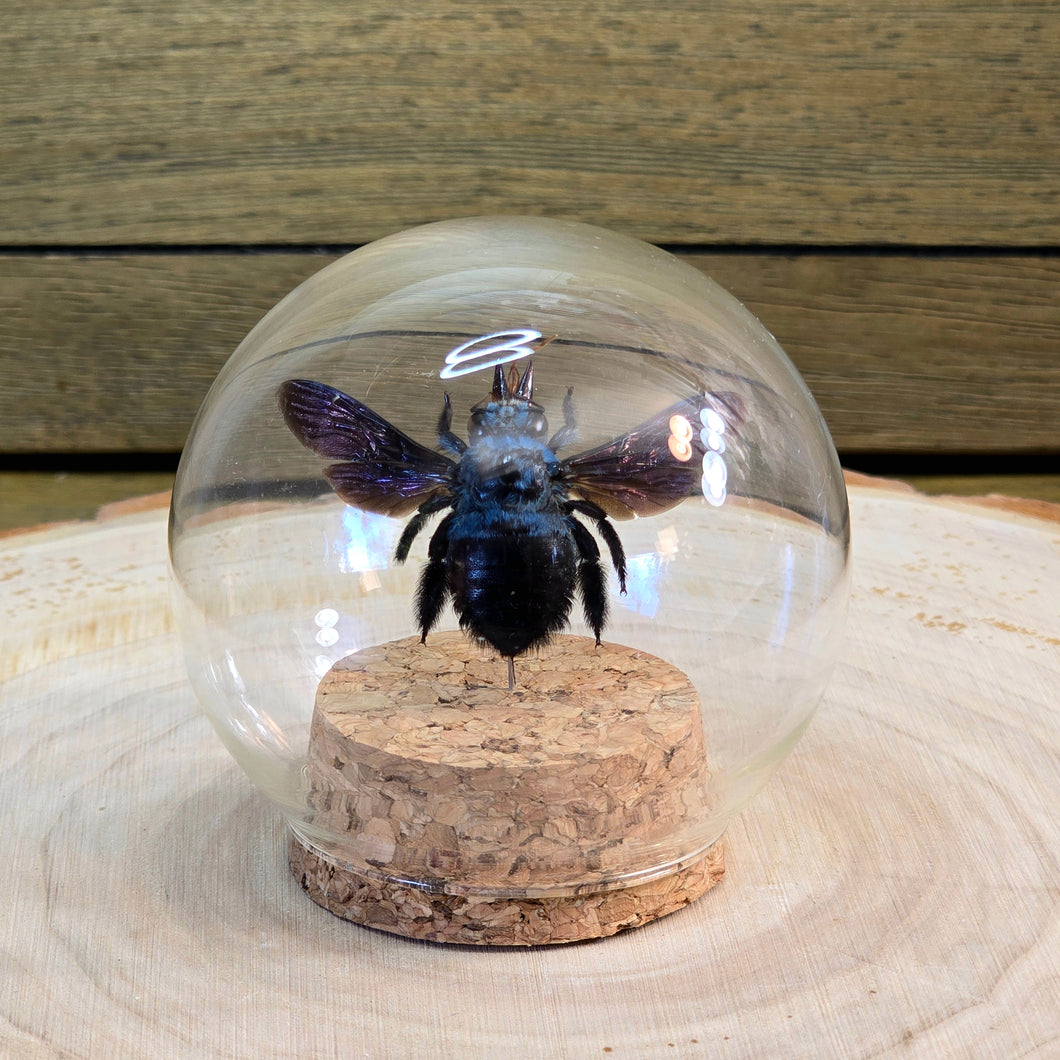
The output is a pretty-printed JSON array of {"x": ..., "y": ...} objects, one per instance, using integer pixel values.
[
  {"x": 382, "y": 470},
  {"x": 657, "y": 464}
]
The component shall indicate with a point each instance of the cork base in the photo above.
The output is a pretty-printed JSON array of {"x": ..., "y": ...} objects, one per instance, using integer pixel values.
[
  {"x": 425, "y": 768},
  {"x": 471, "y": 920}
]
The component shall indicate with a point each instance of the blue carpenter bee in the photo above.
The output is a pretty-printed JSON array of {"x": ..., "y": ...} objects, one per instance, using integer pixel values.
[{"x": 513, "y": 548}]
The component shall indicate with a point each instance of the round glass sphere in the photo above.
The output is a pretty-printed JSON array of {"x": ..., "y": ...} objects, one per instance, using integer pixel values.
[{"x": 376, "y": 468}]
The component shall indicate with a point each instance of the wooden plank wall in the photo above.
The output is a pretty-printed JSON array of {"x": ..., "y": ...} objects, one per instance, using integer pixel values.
[{"x": 880, "y": 182}]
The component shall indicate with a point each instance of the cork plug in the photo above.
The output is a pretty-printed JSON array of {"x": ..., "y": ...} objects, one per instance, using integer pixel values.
[{"x": 475, "y": 814}]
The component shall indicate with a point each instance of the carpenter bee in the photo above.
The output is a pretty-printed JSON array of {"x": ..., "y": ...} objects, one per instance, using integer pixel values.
[{"x": 514, "y": 545}]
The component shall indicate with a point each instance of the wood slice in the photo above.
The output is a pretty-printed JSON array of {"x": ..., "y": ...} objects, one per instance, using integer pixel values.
[
  {"x": 439, "y": 781},
  {"x": 892, "y": 891}
]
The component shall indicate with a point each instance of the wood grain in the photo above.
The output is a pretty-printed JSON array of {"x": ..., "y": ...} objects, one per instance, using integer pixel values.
[
  {"x": 105, "y": 355},
  {"x": 903, "y": 352},
  {"x": 902, "y": 122},
  {"x": 893, "y": 891}
]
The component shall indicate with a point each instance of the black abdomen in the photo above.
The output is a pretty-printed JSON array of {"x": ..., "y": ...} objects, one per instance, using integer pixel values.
[{"x": 513, "y": 589}]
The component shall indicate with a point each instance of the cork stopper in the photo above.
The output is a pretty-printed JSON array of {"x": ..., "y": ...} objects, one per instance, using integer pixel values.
[{"x": 439, "y": 777}]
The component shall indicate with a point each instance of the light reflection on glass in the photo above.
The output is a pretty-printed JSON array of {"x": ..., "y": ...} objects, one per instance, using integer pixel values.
[
  {"x": 714, "y": 478},
  {"x": 712, "y": 421},
  {"x": 251, "y": 724},
  {"x": 779, "y": 632},
  {"x": 715, "y": 474},
  {"x": 327, "y": 637},
  {"x": 712, "y": 440},
  {"x": 642, "y": 575},
  {"x": 326, "y": 619},
  {"x": 666, "y": 543},
  {"x": 366, "y": 542}
]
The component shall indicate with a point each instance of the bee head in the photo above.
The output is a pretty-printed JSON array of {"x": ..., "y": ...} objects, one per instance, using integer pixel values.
[{"x": 510, "y": 410}]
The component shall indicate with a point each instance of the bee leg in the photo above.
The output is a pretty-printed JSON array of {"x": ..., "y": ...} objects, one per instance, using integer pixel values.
[
  {"x": 415, "y": 524},
  {"x": 569, "y": 431},
  {"x": 433, "y": 589},
  {"x": 591, "y": 581},
  {"x": 446, "y": 438},
  {"x": 511, "y": 673},
  {"x": 608, "y": 533}
]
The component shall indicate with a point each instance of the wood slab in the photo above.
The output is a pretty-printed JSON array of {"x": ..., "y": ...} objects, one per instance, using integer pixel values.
[
  {"x": 892, "y": 892},
  {"x": 891, "y": 121},
  {"x": 911, "y": 353}
]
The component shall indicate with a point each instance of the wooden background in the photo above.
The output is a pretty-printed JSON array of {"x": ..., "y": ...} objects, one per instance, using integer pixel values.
[{"x": 879, "y": 182}]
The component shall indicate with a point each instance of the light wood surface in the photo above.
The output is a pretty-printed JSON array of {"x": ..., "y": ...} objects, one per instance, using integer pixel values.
[
  {"x": 903, "y": 353},
  {"x": 889, "y": 121},
  {"x": 892, "y": 892}
]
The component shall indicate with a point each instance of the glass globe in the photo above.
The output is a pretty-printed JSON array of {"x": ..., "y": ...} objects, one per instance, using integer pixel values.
[{"x": 376, "y": 475}]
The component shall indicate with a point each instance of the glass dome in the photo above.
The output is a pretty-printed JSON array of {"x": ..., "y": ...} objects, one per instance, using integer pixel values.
[{"x": 500, "y": 441}]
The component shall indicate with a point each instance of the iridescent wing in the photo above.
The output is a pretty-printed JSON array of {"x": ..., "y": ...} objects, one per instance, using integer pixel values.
[
  {"x": 659, "y": 463},
  {"x": 382, "y": 470}
]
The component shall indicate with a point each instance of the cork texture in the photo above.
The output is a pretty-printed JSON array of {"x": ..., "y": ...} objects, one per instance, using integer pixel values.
[
  {"x": 436, "y": 916},
  {"x": 433, "y": 772}
]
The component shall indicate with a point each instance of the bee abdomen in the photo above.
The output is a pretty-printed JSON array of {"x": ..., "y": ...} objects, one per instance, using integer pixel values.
[{"x": 513, "y": 590}]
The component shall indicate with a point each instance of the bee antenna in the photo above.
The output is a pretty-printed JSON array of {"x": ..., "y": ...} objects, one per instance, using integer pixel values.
[
  {"x": 500, "y": 385},
  {"x": 526, "y": 386}
]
